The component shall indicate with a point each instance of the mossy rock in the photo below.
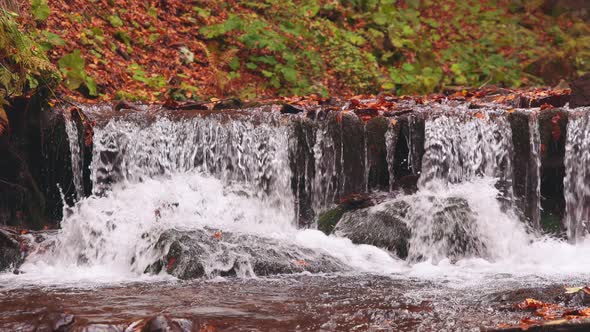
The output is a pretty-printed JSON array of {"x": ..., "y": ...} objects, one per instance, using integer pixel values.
[{"x": 328, "y": 220}]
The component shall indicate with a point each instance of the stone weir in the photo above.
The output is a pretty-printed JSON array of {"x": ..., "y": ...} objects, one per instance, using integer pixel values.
[{"x": 339, "y": 152}]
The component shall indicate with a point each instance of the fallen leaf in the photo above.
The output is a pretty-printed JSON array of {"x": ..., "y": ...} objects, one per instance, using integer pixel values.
[
  {"x": 530, "y": 304},
  {"x": 572, "y": 290},
  {"x": 170, "y": 264},
  {"x": 301, "y": 262}
]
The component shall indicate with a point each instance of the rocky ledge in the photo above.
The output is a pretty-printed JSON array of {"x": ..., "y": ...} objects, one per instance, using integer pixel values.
[{"x": 209, "y": 253}]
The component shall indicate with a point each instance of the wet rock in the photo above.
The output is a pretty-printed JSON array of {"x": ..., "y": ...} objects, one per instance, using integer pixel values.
[
  {"x": 10, "y": 253},
  {"x": 553, "y": 133},
  {"x": 55, "y": 322},
  {"x": 444, "y": 228},
  {"x": 103, "y": 328},
  {"x": 580, "y": 298},
  {"x": 376, "y": 128},
  {"x": 341, "y": 161},
  {"x": 210, "y": 253},
  {"x": 383, "y": 226},
  {"x": 163, "y": 323},
  {"x": 416, "y": 228},
  {"x": 524, "y": 167},
  {"x": 353, "y": 154},
  {"x": 405, "y": 150},
  {"x": 125, "y": 105},
  {"x": 564, "y": 326},
  {"x": 291, "y": 109},
  {"x": 227, "y": 104},
  {"x": 580, "y": 92},
  {"x": 507, "y": 299},
  {"x": 302, "y": 164},
  {"x": 328, "y": 220}
]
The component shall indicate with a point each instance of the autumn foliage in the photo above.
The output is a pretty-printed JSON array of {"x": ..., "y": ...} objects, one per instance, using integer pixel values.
[{"x": 174, "y": 49}]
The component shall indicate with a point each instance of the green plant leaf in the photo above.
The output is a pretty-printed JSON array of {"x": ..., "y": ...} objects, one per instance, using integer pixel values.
[{"x": 40, "y": 9}]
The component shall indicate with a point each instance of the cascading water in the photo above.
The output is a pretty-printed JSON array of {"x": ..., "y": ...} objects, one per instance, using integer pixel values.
[
  {"x": 535, "y": 171},
  {"x": 77, "y": 162},
  {"x": 470, "y": 153},
  {"x": 201, "y": 173},
  {"x": 325, "y": 182},
  {"x": 217, "y": 196},
  {"x": 460, "y": 148},
  {"x": 214, "y": 174},
  {"x": 577, "y": 178}
]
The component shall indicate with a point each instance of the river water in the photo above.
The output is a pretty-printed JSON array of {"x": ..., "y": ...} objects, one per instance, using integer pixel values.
[{"x": 206, "y": 173}]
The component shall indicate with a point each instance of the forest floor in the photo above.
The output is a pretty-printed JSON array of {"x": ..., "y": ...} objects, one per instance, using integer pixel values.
[{"x": 181, "y": 50}]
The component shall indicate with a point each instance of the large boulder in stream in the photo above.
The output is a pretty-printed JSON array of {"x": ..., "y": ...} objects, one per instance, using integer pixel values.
[
  {"x": 10, "y": 250},
  {"x": 444, "y": 228},
  {"x": 416, "y": 227},
  {"x": 382, "y": 226},
  {"x": 209, "y": 253}
]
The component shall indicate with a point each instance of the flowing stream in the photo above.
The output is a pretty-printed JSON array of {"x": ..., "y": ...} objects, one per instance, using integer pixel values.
[{"x": 235, "y": 177}]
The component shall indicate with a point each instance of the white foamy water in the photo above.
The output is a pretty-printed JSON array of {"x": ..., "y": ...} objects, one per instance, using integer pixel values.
[
  {"x": 234, "y": 177},
  {"x": 101, "y": 235},
  {"x": 577, "y": 178}
]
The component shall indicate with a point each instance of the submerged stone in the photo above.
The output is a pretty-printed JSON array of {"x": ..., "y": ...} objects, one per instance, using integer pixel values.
[
  {"x": 382, "y": 226},
  {"x": 416, "y": 228},
  {"x": 444, "y": 228},
  {"x": 209, "y": 253},
  {"x": 10, "y": 255}
]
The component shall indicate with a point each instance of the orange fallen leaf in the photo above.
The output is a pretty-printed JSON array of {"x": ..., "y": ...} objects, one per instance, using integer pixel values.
[
  {"x": 393, "y": 122},
  {"x": 530, "y": 304},
  {"x": 171, "y": 262},
  {"x": 546, "y": 106},
  {"x": 217, "y": 235},
  {"x": 301, "y": 262}
]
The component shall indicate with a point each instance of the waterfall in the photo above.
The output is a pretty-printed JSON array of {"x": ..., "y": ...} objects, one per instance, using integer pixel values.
[
  {"x": 577, "y": 175},
  {"x": 75, "y": 153},
  {"x": 462, "y": 147},
  {"x": 326, "y": 184},
  {"x": 533, "y": 193},
  {"x": 253, "y": 174},
  {"x": 205, "y": 174},
  {"x": 340, "y": 159},
  {"x": 391, "y": 137},
  {"x": 238, "y": 151}
]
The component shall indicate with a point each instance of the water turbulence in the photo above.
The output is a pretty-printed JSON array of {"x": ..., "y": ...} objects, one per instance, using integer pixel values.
[
  {"x": 216, "y": 195},
  {"x": 194, "y": 197},
  {"x": 465, "y": 181},
  {"x": 577, "y": 178}
]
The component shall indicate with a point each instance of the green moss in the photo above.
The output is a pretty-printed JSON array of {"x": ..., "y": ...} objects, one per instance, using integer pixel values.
[
  {"x": 328, "y": 220},
  {"x": 550, "y": 223}
]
